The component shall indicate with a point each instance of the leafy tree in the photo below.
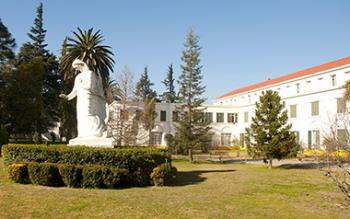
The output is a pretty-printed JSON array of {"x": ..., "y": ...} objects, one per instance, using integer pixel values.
[
  {"x": 269, "y": 135},
  {"x": 191, "y": 131},
  {"x": 169, "y": 95},
  {"x": 86, "y": 46},
  {"x": 149, "y": 116},
  {"x": 7, "y": 45},
  {"x": 144, "y": 87},
  {"x": 24, "y": 100}
]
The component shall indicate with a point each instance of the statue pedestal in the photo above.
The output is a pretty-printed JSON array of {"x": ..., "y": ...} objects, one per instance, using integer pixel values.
[{"x": 92, "y": 142}]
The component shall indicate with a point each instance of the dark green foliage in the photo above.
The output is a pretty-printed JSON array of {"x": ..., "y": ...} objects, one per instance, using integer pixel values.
[
  {"x": 4, "y": 136},
  {"x": 191, "y": 131},
  {"x": 37, "y": 32},
  {"x": 163, "y": 174},
  {"x": 144, "y": 87},
  {"x": 169, "y": 96},
  {"x": 130, "y": 158},
  {"x": 149, "y": 116},
  {"x": 7, "y": 45},
  {"x": 103, "y": 177},
  {"x": 45, "y": 174},
  {"x": 269, "y": 135},
  {"x": 87, "y": 47},
  {"x": 170, "y": 141},
  {"x": 71, "y": 175},
  {"x": 36, "y": 137},
  {"x": 18, "y": 172}
]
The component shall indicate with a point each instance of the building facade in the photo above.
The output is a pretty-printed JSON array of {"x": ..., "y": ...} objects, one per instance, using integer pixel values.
[{"x": 312, "y": 97}]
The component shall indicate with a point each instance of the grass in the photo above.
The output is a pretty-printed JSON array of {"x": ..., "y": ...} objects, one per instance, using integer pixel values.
[{"x": 201, "y": 191}]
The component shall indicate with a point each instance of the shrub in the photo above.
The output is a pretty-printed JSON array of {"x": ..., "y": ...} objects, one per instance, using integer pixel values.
[
  {"x": 36, "y": 137},
  {"x": 103, "y": 177},
  {"x": 45, "y": 174},
  {"x": 163, "y": 174},
  {"x": 130, "y": 158},
  {"x": 18, "y": 172},
  {"x": 71, "y": 175}
]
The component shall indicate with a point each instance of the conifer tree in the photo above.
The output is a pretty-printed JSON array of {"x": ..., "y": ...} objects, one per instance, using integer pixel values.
[
  {"x": 144, "y": 87},
  {"x": 7, "y": 45},
  {"x": 169, "y": 96},
  {"x": 36, "y": 48},
  {"x": 269, "y": 135},
  {"x": 191, "y": 131}
]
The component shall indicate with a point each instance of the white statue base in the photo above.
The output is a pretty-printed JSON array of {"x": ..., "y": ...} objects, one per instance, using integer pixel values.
[{"x": 92, "y": 142}]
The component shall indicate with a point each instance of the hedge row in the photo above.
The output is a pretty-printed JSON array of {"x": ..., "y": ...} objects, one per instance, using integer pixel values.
[
  {"x": 49, "y": 174},
  {"x": 131, "y": 158}
]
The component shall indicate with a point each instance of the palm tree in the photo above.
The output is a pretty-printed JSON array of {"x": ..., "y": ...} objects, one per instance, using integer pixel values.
[{"x": 87, "y": 47}]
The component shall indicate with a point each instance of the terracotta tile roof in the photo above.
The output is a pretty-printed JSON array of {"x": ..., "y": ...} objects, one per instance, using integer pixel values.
[{"x": 309, "y": 71}]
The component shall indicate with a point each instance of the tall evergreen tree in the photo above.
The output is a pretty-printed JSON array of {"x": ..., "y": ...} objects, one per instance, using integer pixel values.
[
  {"x": 191, "y": 130},
  {"x": 269, "y": 135},
  {"x": 144, "y": 87},
  {"x": 7, "y": 45},
  {"x": 149, "y": 116},
  {"x": 169, "y": 95},
  {"x": 50, "y": 85}
]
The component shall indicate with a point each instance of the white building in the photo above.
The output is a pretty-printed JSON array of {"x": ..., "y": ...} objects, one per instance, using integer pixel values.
[{"x": 312, "y": 98}]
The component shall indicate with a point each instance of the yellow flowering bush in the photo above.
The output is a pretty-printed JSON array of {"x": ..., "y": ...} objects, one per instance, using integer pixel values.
[
  {"x": 163, "y": 147},
  {"x": 340, "y": 153}
]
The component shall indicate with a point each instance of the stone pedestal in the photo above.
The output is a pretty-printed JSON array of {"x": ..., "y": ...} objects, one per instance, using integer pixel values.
[{"x": 92, "y": 142}]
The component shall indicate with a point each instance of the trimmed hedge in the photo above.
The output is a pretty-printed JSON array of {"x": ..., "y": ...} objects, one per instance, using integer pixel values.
[
  {"x": 130, "y": 158},
  {"x": 103, "y": 177},
  {"x": 71, "y": 175},
  {"x": 45, "y": 174},
  {"x": 18, "y": 172}
]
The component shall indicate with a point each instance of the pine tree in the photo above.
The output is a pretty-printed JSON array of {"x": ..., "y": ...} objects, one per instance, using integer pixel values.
[
  {"x": 269, "y": 135},
  {"x": 51, "y": 82},
  {"x": 191, "y": 131},
  {"x": 37, "y": 32},
  {"x": 169, "y": 96},
  {"x": 7, "y": 45},
  {"x": 144, "y": 87}
]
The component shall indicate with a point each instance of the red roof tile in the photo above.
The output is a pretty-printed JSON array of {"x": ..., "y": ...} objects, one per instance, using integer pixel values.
[{"x": 309, "y": 71}]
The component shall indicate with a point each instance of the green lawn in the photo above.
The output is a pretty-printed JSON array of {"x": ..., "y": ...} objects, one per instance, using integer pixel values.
[{"x": 202, "y": 191}]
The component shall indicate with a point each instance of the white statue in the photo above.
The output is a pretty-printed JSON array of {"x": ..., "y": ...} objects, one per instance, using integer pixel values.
[{"x": 92, "y": 115}]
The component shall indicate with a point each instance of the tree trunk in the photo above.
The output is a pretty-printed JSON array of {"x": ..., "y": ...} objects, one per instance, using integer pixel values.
[
  {"x": 270, "y": 163},
  {"x": 190, "y": 155}
]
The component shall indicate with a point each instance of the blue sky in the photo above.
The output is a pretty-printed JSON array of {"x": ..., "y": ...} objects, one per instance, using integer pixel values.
[{"x": 243, "y": 42}]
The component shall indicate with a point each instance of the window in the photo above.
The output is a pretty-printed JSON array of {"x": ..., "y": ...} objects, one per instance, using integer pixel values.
[
  {"x": 162, "y": 116},
  {"x": 175, "y": 116},
  {"x": 341, "y": 105},
  {"x": 293, "y": 111},
  {"x": 225, "y": 139},
  {"x": 314, "y": 108},
  {"x": 219, "y": 117},
  {"x": 334, "y": 80},
  {"x": 232, "y": 117},
  {"x": 314, "y": 139},
  {"x": 241, "y": 139},
  {"x": 246, "y": 116},
  {"x": 298, "y": 88},
  {"x": 342, "y": 136},
  {"x": 156, "y": 138},
  {"x": 208, "y": 117}
]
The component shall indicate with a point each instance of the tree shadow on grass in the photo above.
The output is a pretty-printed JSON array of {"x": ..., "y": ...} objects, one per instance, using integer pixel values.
[
  {"x": 184, "y": 178},
  {"x": 301, "y": 166}
]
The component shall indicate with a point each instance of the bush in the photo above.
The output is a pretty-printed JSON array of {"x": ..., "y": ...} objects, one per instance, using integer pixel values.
[
  {"x": 163, "y": 174},
  {"x": 36, "y": 138},
  {"x": 71, "y": 175},
  {"x": 103, "y": 177},
  {"x": 18, "y": 173},
  {"x": 45, "y": 174},
  {"x": 130, "y": 158}
]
